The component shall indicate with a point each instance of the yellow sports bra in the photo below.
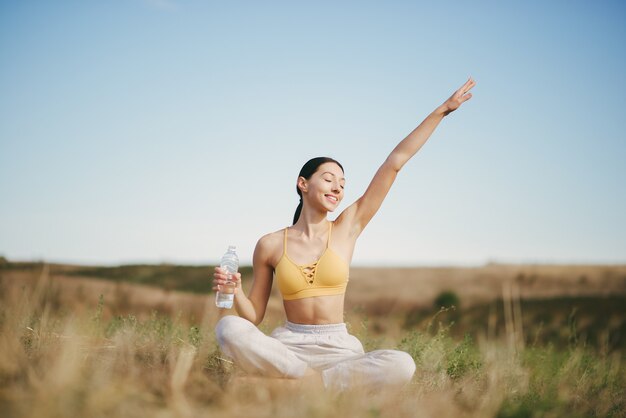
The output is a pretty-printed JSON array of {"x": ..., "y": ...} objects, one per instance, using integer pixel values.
[{"x": 326, "y": 276}]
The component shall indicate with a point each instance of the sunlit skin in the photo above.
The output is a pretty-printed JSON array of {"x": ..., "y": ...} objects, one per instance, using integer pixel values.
[{"x": 307, "y": 238}]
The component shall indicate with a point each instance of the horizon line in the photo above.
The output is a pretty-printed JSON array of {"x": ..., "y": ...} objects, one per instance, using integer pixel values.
[{"x": 374, "y": 264}]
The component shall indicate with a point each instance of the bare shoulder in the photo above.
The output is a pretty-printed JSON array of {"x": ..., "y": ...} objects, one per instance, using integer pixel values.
[{"x": 270, "y": 247}]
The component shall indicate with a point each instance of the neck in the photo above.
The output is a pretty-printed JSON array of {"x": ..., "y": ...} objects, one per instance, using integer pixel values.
[{"x": 311, "y": 223}]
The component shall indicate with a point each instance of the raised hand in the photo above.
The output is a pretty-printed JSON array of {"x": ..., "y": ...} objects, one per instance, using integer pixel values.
[{"x": 458, "y": 97}]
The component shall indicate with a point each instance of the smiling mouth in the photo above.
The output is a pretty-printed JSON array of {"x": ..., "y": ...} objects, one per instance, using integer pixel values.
[{"x": 332, "y": 199}]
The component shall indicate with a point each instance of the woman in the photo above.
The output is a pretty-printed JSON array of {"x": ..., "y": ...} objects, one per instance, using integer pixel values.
[{"x": 310, "y": 261}]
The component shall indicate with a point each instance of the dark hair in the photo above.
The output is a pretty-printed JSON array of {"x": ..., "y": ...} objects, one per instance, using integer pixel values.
[{"x": 307, "y": 171}]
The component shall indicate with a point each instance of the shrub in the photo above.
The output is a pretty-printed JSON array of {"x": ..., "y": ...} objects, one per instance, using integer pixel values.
[{"x": 447, "y": 299}]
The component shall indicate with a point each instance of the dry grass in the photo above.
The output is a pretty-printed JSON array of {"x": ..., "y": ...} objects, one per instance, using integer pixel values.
[
  {"x": 420, "y": 285},
  {"x": 64, "y": 355}
]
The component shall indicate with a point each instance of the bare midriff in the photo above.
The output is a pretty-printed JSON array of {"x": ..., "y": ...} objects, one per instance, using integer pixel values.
[{"x": 315, "y": 310}]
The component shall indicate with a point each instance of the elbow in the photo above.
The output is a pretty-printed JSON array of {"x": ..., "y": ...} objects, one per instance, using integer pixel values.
[
  {"x": 259, "y": 314},
  {"x": 253, "y": 317},
  {"x": 395, "y": 161},
  {"x": 257, "y": 317}
]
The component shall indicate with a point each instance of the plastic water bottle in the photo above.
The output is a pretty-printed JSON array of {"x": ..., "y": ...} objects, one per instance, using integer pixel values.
[{"x": 226, "y": 293}]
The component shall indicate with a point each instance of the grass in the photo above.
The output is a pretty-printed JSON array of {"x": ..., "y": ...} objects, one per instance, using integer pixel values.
[
  {"x": 595, "y": 322},
  {"x": 55, "y": 363}
]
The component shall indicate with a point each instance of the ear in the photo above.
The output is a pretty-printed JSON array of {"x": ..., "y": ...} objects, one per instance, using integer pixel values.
[{"x": 302, "y": 184}]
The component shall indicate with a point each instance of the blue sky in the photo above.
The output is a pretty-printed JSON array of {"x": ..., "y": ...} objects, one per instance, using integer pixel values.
[{"x": 162, "y": 131}]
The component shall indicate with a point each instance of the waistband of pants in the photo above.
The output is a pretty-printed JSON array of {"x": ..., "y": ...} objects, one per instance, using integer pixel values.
[{"x": 317, "y": 329}]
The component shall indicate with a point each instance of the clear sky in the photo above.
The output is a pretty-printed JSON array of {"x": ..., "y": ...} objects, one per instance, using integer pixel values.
[{"x": 164, "y": 130}]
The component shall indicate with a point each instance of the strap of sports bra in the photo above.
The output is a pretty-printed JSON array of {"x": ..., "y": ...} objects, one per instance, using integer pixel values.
[
  {"x": 329, "y": 233},
  {"x": 285, "y": 243}
]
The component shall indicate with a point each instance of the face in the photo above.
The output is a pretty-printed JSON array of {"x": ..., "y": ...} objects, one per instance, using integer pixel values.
[{"x": 325, "y": 187}]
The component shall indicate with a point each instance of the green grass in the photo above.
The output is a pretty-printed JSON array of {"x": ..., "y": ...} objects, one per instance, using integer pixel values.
[
  {"x": 594, "y": 322},
  {"x": 574, "y": 382}
]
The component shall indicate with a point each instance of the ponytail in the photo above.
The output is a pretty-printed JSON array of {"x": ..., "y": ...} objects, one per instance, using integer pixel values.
[{"x": 298, "y": 210}]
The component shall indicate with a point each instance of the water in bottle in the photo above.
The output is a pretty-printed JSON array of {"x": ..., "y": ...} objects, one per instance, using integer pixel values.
[{"x": 226, "y": 292}]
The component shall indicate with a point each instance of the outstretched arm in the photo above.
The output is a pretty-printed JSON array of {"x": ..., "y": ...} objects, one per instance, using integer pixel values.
[{"x": 363, "y": 210}]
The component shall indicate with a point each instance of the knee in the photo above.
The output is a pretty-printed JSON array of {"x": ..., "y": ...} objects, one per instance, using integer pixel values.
[
  {"x": 229, "y": 329},
  {"x": 403, "y": 367}
]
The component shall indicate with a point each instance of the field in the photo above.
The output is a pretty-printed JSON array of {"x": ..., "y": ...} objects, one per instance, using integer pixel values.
[{"x": 491, "y": 341}]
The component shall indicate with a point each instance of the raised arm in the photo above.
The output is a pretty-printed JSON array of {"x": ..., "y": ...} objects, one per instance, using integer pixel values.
[{"x": 363, "y": 210}]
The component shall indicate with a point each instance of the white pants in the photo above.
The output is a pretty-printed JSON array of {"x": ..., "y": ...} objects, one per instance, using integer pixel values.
[{"x": 329, "y": 349}]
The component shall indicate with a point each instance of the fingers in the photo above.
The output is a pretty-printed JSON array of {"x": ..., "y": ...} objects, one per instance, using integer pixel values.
[
  {"x": 469, "y": 83},
  {"x": 221, "y": 277},
  {"x": 221, "y": 274},
  {"x": 467, "y": 86}
]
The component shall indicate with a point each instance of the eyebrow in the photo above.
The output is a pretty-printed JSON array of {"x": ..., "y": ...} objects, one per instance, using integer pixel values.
[{"x": 328, "y": 172}]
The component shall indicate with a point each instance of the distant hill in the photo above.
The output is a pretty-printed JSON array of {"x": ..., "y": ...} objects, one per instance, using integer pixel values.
[{"x": 196, "y": 279}]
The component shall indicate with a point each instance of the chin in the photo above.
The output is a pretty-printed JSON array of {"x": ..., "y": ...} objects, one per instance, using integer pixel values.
[{"x": 328, "y": 206}]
